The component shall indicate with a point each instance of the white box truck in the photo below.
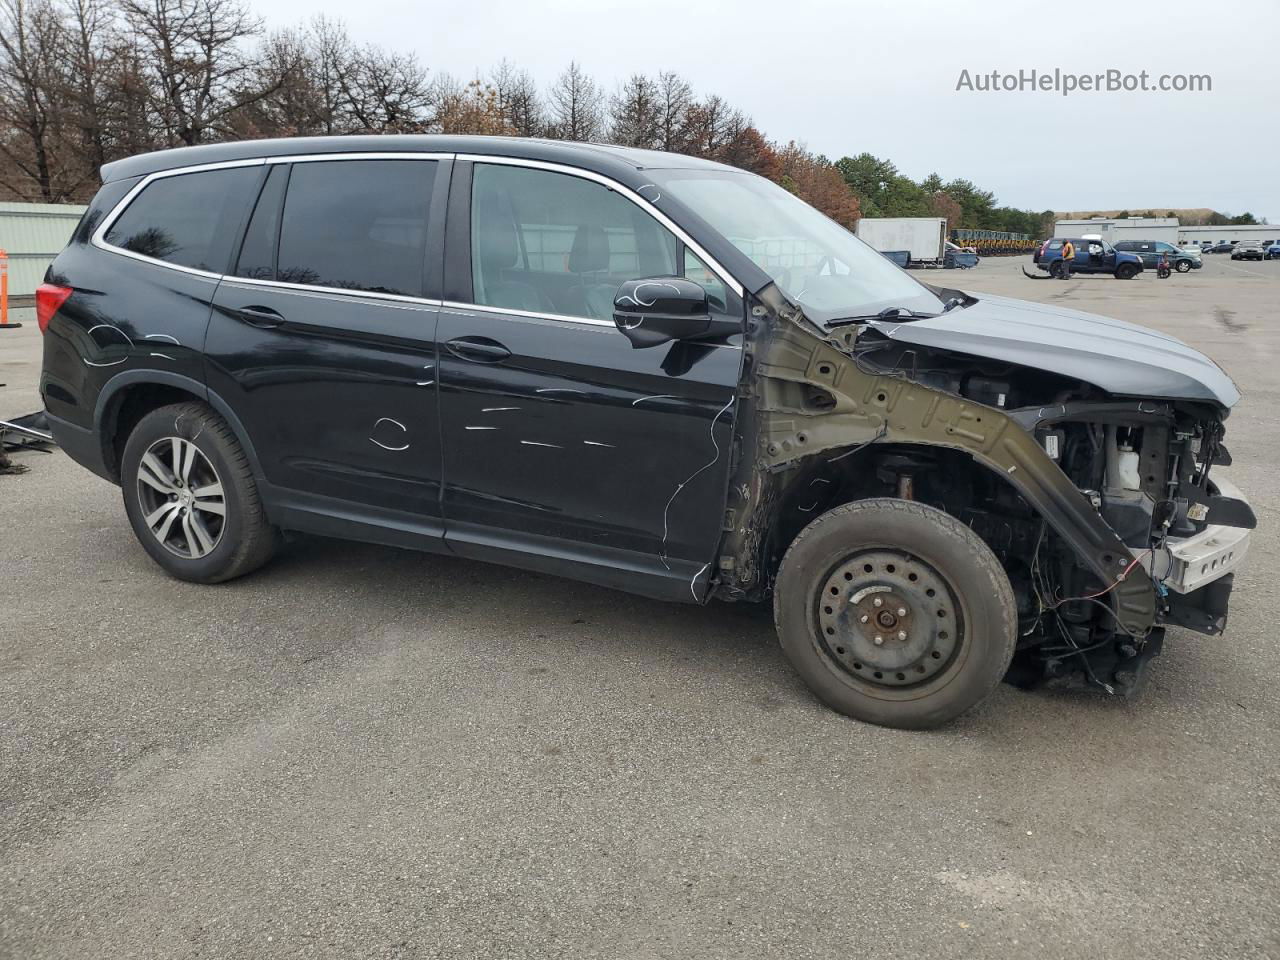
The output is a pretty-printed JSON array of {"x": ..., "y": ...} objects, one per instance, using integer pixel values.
[{"x": 924, "y": 238}]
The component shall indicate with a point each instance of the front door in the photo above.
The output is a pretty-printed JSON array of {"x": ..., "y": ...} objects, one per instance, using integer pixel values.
[
  {"x": 567, "y": 449},
  {"x": 324, "y": 342}
]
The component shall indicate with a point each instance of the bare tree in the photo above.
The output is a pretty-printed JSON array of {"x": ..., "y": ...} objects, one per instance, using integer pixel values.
[
  {"x": 517, "y": 98},
  {"x": 200, "y": 71},
  {"x": 88, "y": 51},
  {"x": 32, "y": 85},
  {"x": 330, "y": 53},
  {"x": 709, "y": 125},
  {"x": 128, "y": 101},
  {"x": 387, "y": 92},
  {"x": 576, "y": 106},
  {"x": 294, "y": 107},
  {"x": 635, "y": 113},
  {"x": 674, "y": 98}
]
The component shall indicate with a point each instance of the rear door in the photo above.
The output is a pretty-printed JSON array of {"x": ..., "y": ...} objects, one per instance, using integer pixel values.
[
  {"x": 567, "y": 449},
  {"x": 323, "y": 340}
]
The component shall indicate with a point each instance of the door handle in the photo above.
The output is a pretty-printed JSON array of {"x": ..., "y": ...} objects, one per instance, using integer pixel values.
[
  {"x": 263, "y": 317},
  {"x": 478, "y": 349}
]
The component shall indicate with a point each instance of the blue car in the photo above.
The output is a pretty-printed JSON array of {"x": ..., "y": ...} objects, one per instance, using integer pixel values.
[
  {"x": 1092, "y": 256},
  {"x": 1273, "y": 251}
]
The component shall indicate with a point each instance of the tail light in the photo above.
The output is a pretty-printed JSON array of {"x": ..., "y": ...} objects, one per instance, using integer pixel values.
[{"x": 49, "y": 297}]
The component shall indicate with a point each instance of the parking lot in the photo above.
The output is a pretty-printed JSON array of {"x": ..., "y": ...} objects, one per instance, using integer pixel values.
[{"x": 365, "y": 752}]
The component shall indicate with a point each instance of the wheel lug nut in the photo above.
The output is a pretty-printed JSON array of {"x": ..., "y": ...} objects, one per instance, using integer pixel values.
[
  {"x": 865, "y": 618},
  {"x": 902, "y": 611},
  {"x": 902, "y": 634},
  {"x": 879, "y": 640},
  {"x": 879, "y": 602}
]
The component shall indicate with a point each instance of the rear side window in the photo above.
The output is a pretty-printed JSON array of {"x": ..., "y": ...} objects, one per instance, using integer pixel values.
[
  {"x": 190, "y": 220},
  {"x": 355, "y": 225}
]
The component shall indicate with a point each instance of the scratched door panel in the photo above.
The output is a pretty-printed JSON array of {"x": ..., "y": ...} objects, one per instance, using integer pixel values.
[
  {"x": 576, "y": 435},
  {"x": 340, "y": 398}
]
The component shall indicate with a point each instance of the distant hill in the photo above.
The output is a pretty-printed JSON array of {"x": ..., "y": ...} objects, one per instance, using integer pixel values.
[{"x": 1188, "y": 216}]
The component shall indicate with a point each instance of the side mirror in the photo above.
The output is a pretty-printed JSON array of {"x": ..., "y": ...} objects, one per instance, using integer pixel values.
[{"x": 653, "y": 310}]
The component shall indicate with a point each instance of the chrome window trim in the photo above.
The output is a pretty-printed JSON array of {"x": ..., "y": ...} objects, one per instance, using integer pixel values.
[
  {"x": 485, "y": 308},
  {"x": 318, "y": 157},
  {"x": 342, "y": 292},
  {"x": 334, "y": 293},
  {"x": 711, "y": 262},
  {"x": 99, "y": 237}
]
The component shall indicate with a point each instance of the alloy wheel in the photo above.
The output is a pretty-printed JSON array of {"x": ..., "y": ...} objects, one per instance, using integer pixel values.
[{"x": 182, "y": 498}]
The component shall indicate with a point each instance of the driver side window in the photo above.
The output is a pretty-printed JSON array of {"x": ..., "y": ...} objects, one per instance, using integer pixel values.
[{"x": 553, "y": 243}]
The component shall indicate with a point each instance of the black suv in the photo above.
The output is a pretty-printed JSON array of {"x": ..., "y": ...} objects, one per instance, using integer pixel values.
[{"x": 647, "y": 372}]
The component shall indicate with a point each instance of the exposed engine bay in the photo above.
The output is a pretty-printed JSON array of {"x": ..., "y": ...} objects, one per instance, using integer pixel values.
[{"x": 1102, "y": 509}]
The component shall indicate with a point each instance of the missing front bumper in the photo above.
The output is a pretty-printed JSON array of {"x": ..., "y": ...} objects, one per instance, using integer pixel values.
[{"x": 1186, "y": 565}]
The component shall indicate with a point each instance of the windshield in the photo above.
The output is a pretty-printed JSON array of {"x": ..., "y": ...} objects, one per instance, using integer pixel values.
[{"x": 818, "y": 264}]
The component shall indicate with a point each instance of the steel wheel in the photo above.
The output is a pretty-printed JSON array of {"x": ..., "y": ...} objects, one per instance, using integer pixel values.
[
  {"x": 182, "y": 499},
  {"x": 889, "y": 619}
]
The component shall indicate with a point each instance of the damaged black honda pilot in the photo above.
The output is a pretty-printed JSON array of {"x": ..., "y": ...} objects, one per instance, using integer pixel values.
[{"x": 647, "y": 372}]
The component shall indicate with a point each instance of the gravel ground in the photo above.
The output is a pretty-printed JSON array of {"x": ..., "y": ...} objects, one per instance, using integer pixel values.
[{"x": 363, "y": 752}]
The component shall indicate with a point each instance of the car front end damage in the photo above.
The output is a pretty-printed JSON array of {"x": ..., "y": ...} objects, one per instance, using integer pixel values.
[{"x": 1095, "y": 477}]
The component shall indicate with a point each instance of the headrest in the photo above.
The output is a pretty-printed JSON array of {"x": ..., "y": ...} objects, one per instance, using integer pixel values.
[
  {"x": 590, "y": 252},
  {"x": 494, "y": 231}
]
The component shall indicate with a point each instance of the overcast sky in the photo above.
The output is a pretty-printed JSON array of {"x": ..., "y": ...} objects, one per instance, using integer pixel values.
[{"x": 881, "y": 77}]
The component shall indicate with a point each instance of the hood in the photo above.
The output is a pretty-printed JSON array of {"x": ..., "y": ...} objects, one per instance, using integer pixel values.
[{"x": 1121, "y": 358}]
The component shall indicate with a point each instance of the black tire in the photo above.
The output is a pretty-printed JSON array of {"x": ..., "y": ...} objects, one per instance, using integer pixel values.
[
  {"x": 1056, "y": 270},
  {"x": 958, "y": 613},
  {"x": 1126, "y": 271},
  {"x": 243, "y": 539},
  {"x": 1183, "y": 266}
]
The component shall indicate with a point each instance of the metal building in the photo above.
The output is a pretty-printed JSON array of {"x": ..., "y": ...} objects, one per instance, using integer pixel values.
[
  {"x": 1231, "y": 233},
  {"x": 1113, "y": 229},
  {"x": 32, "y": 234}
]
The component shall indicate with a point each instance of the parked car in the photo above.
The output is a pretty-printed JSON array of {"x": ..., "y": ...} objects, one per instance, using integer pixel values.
[
  {"x": 1192, "y": 248},
  {"x": 1273, "y": 252},
  {"x": 1222, "y": 248},
  {"x": 1093, "y": 255},
  {"x": 1248, "y": 250},
  {"x": 1151, "y": 252},
  {"x": 900, "y": 257},
  {"x": 955, "y": 256},
  {"x": 647, "y": 372}
]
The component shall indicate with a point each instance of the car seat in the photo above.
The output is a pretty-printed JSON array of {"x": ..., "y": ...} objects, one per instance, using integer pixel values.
[
  {"x": 589, "y": 260},
  {"x": 497, "y": 251}
]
